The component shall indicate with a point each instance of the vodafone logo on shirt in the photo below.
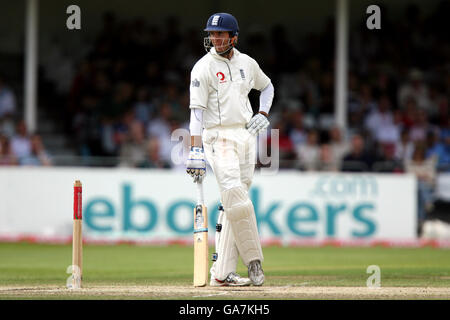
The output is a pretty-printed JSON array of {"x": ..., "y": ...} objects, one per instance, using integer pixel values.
[{"x": 221, "y": 77}]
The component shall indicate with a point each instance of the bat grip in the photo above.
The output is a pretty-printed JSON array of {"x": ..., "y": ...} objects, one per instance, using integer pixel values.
[{"x": 200, "y": 197}]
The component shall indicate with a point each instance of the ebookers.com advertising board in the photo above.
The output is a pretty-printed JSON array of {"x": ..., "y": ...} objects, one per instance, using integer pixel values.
[{"x": 156, "y": 205}]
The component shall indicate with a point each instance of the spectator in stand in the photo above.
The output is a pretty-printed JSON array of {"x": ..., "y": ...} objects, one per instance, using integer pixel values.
[
  {"x": 366, "y": 101},
  {"x": 445, "y": 129},
  {"x": 152, "y": 159},
  {"x": 441, "y": 150},
  {"x": 20, "y": 142},
  {"x": 443, "y": 154},
  {"x": 431, "y": 142},
  {"x": 327, "y": 161},
  {"x": 297, "y": 132},
  {"x": 326, "y": 89},
  {"x": 408, "y": 113},
  {"x": 133, "y": 149},
  {"x": 38, "y": 156},
  {"x": 417, "y": 89},
  {"x": 436, "y": 98},
  {"x": 420, "y": 127},
  {"x": 132, "y": 53},
  {"x": 398, "y": 116},
  {"x": 171, "y": 96},
  {"x": 363, "y": 105},
  {"x": 338, "y": 145},
  {"x": 404, "y": 147},
  {"x": 7, "y": 126},
  {"x": 7, "y": 100},
  {"x": 425, "y": 170},
  {"x": 385, "y": 85},
  {"x": 117, "y": 109},
  {"x": 443, "y": 113},
  {"x": 7, "y": 157},
  {"x": 120, "y": 133},
  {"x": 308, "y": 153},
  {"x": 285, "y": 146},
  {"x": 380, "y": 122},
  {"x": 143, "y": 108},
  {"x": 159, "y": 127},
  {"x": 388, "y": 162},
  {"x": 357, "y": 159},
  {"x": 7, "y": 109}
]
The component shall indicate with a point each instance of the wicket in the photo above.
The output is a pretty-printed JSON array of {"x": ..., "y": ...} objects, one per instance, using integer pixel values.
[{"x": 77, "y": 242}]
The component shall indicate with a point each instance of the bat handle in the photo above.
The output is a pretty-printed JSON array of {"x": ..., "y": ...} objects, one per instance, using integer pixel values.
[{"x": 200, "y": 197}]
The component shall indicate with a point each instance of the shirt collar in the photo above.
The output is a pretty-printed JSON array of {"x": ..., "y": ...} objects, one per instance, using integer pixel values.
[{"x": 213, "y": 52}]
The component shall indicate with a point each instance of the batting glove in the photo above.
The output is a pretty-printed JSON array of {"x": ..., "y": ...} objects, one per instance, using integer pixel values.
[
  {"x": 257, "y": 123},
  {"x": 195, "y": 164}
]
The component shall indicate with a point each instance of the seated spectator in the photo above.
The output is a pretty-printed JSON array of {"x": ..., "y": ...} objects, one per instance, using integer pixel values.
[
  {"x": 327, "y": 162},
  {"x": 308, "y": 153},
  {"x": 357, "y": 159},
  {"x": 286, "y": 148},
  {"x": 133, "y": 149},
  {"x": 339, "y": 146},
  {"x": 425, "y": 171},
  {"x": 388, "y": 162},
  {"x": 404, "y": 147},
  {"x": 143, "y": 108},
  {"x": 436, "y": 98},
  {"x": 380, "y": 122},
  {"x": 121, "y": 130},
  {"x": 443, "y": 113},
  {"x": 420, "y": 126},
  {"x": 365, "y": 99},
  {"x": 326, "y": 91},
  {"x": 408, "y": 114},
  {"x": 152, "y": 158},
  {"x": 7, "y": 110},
  {"x": 38, "y": 156},
  {"x": 159, "y": 126},
  {"x": 389, "y": 134},
  {"x": 135, "y": 66},
  {"x": 385, "y": 83},
  {"x": 7, "y": 101},
  {"x": 415, "y": 88},
  {"x": 297, "y": 132},
  {"x": 441, "y": 151},
  {"x": 363, "y": 105},
  {"x": 7, "y": 126},
  {"x": 20, "y": 142},
  {"x": 7, "y": 157},
  {"x": 431, "y": 141}
]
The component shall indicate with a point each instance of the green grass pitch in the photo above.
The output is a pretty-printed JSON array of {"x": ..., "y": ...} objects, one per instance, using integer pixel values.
[{"x": 25, "y": 264}]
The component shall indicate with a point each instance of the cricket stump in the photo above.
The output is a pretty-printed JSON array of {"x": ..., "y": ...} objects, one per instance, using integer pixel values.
[{"x": 77, "y": 240}]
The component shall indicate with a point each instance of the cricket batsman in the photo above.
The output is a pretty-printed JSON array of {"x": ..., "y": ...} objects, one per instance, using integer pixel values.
[{"x": 223, "y": 131}]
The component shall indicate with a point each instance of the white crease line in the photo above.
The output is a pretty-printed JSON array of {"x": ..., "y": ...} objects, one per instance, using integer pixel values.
[
  {"x": 212, "y": 295},
  {"x": 303, "y": 284}
]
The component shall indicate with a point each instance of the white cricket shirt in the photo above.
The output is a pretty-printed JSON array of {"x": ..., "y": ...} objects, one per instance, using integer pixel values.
[{"x": 220, "y": 87}]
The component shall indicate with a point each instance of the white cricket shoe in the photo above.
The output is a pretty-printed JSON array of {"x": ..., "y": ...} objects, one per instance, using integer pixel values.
[
  {"x": 232, "y": 280},
  {"x": 256, "y": 273}
]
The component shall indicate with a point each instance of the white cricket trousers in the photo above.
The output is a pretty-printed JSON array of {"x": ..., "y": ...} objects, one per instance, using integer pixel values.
[{"x": 231, "y": 153}]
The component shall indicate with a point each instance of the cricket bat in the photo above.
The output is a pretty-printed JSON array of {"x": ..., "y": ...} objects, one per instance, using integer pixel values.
[
  {"x": 201, "y": 262},
  {"x": 77, "y": 240}
]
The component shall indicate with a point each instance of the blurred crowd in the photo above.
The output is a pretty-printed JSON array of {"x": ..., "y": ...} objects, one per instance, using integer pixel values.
[
  {"x": 131, "y": 91},
  {"x": 17, "y": 146}
]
